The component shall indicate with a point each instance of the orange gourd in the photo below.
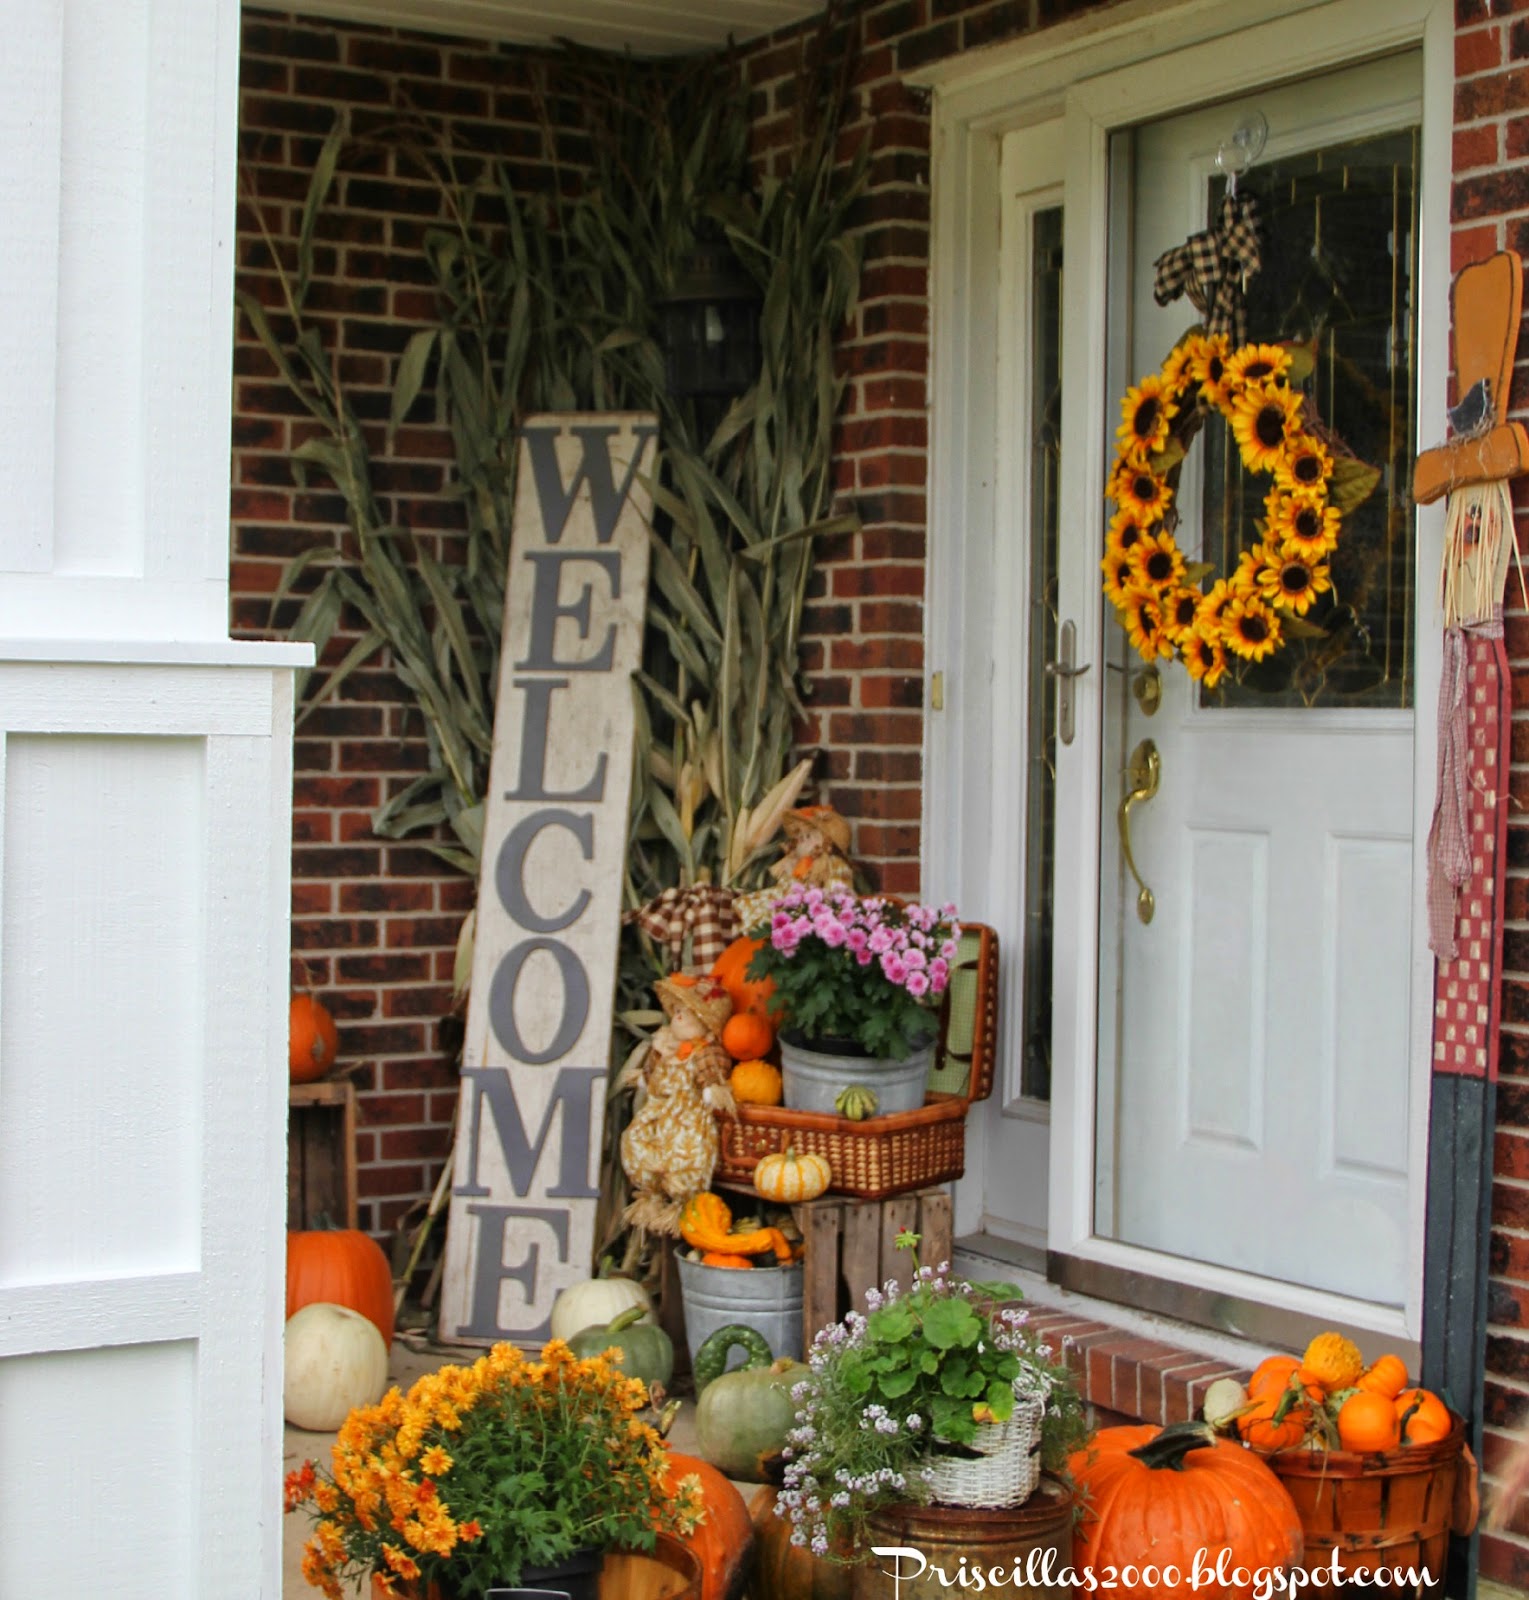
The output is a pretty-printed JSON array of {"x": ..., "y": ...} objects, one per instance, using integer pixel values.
[
  {"x": 1158, "y": 1497},
  {"x": 1271, "y": 1376},
  {"x": 345, "y": 1267},
  {"x": 756, "y": 1083},
  {"x": 749, "y": 995},
  {"x": 725, "y": 1537},
  {"x": 1367, "y": 1423},
  {"x": 1422, "y": 1417},
  {"x": 1387, "y": 1376},
  {"x": 720, "y": 1258},
  {"x": 312, "y": 1039},
  {"x": 746, "y": 1037},
  {"x": 1334, "y": 1361},
  {"x": 1268, "y": 1428},
  {"x": 706, "y": 1224}
]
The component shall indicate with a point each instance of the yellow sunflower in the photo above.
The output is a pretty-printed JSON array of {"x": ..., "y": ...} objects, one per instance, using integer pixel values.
[
  {"x": 1204, "y": 656},
  {"x": 1136, "y": 490},
  {"x": 1214, "y": 606},
  {"x": 1303, "y": 524},
  {"x": 1126, "y": 529},
  {"x": 1251, "y": 567},
  {"x": 1157, "y": 560},
  {"x": 1181, "y": 612},
  {"x": 1142, "y": 615},
  {"x": 1250, "y": 628},
  {"x": 1258, "y": 365},
  {"x": 1119, "y": 576},
  {"x": 1206, "y": 365},
  {"x": 1176, "y": 373},
  {"x": 1264, "y": 418},
  {"x": 1293, "y": 582},
  {"x": 1305, "y": 466},
  {"x": 1146, "y": 412}
]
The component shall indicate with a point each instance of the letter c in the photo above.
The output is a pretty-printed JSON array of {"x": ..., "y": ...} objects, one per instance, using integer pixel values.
[{"x": 510, "y": 868}]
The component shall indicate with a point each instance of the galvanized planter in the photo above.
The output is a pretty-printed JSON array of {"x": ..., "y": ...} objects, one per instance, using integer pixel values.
[
  {"x": 813, "y": 1079},
  {"x": 766, "y": 1299}
]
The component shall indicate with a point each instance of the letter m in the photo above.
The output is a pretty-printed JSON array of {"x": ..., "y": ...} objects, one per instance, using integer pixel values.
[
  {"x": 594, "y": 468},
  {"x": 522, "y": 1154}
]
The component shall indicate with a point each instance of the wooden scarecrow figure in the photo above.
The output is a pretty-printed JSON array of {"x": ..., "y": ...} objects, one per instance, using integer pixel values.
[
  {"x": 816, "y": 855},
  {"x": 1473, "y": 468},
  {"x": 669, "y": 1149}
]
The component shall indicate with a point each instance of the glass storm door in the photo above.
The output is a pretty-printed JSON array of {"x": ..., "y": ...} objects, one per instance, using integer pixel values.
[{"x": 1254, "y": 1033}]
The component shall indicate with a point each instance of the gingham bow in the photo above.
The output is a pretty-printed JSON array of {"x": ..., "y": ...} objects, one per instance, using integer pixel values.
[
  {"x": 1213, "y": 267},
  {"x": 703, "y": 913}
]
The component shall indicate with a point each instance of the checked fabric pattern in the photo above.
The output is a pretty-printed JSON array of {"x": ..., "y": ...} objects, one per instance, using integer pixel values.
[
  {"x": 704, "y": 914},
  {"x": 1212, "y": 267}
]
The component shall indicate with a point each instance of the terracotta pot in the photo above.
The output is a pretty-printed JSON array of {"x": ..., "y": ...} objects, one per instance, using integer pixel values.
[{"x": 671, "y": 1572}]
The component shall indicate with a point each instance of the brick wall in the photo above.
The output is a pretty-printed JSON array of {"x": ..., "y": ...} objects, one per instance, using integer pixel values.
[
  {"x": 1490, "y": 211},
  {"x": 374, "y": 923}
]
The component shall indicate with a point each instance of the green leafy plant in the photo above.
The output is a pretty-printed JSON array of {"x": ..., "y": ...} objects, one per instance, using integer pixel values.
[{"x": 890, "y": 1391}]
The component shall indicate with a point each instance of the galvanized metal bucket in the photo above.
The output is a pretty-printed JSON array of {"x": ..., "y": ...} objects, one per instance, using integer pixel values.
[
  {"x": 766, "y": 1299},
  {"x": 813, "y": 1079}
]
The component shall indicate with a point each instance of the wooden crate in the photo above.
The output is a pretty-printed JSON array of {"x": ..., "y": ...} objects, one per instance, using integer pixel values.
[
  {"x": 850, "y": 1247},
  {"x": 321, "y": 1153}
]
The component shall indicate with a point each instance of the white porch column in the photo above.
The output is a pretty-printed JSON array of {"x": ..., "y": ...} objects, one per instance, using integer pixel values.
[{"x": 145, "y": 800}]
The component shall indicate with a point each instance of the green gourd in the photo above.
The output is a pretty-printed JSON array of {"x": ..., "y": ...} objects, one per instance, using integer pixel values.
[
  {"x": 710, "y": 1361},
  {"x": 743, "y": 1416},
  {"x": 647, "y": 1351}
]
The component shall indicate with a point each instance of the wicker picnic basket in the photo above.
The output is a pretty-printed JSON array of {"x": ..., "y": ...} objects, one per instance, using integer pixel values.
[
  {"x": 1396, "y": 1508},
  {"x": 907, "y": 1150}
]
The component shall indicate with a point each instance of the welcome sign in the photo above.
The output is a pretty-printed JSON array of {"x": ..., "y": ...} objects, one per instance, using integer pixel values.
[{"x": 521, "y": 1225}]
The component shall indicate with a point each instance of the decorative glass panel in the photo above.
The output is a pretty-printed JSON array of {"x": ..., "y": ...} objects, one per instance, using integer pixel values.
[
  {"x": 1338, "y": 231},
  {"x": 1045, "y": 447}
]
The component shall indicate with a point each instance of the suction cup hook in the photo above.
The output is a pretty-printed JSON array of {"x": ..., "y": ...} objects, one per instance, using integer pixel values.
[{"x": 1235, "y": 155}]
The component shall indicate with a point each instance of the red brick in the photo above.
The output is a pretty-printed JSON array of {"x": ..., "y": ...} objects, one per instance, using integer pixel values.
[
  {"x": 1477, "y": 50},
  {"x": 1476, "y": 147}
]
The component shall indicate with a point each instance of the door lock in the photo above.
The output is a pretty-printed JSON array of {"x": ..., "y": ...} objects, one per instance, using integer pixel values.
[{"x": 1063, "y": 671}]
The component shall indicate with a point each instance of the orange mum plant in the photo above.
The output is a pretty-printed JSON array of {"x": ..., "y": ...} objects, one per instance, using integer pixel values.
[{"x": 480, "y": 1473}]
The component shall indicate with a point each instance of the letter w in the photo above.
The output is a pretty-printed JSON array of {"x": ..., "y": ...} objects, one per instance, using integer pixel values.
[
  {"x": 594, "y": 468},
  {"x": 522, "y": 1155}
]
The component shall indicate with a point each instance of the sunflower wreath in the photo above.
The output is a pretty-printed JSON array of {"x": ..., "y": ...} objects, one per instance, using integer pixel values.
[{"x": 1170, "y": 607}]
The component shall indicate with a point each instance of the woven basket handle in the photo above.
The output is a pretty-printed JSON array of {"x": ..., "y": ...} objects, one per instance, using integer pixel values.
[{"x": 979, "y": 1077}]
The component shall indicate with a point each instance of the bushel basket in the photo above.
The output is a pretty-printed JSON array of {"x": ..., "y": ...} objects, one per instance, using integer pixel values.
[
  {"x": 1395, "y": 1508},
  {"x": 906, "y": 1150}
]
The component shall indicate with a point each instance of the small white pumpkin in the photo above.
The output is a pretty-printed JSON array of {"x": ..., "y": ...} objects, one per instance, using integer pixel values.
[
  {"x": 595, "y": 1303},
  {"x": 1223, "y": 1404},
  {"x": 787, "y": 1178},
  {"x": 335, "y": 1361}
]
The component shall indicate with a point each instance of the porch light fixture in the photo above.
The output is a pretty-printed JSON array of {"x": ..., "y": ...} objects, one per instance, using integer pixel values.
[{"x": 709, "y": 326}]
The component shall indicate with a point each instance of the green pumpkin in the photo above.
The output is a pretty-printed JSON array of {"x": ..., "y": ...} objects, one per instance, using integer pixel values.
[
  {"x": 647, "y": 1351},
  {"x": 743, "y": 1416}
]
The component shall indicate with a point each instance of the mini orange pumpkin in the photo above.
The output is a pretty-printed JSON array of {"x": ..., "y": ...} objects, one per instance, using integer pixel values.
[
  {"x": 1386, "y": 1376},
  {"x": 755, "y": 1083},
  {"x": 746, "y": 1037},
  {"x": 1422, "y": 1417},
  {"x": 1367, "y": 1423},
  {"x": 312, "y": 1039},
  {"x": 1271, "y": 1376},
  {"x": 1265, "y": 1428}
]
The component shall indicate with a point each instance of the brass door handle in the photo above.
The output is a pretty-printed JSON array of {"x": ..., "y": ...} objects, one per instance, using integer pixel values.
[{"x": 1144, "y": 772}]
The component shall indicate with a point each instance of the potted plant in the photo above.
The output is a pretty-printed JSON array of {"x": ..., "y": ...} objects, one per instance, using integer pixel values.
[
  {"x": 513, "y": 1470},
  {"x": 939, "y": 1396},
  {"x": 856, "y": 987}
]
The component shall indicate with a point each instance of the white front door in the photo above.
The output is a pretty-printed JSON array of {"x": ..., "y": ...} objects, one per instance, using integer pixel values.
[{"x": 1254, "y": 1048}]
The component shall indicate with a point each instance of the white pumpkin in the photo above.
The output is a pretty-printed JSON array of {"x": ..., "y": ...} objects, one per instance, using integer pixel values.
[
  {"x": 594, "y": 1303},
  {"x": 336, "y": 1361}
]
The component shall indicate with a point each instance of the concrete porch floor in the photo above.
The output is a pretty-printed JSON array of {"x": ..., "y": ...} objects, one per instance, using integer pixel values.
[{"x": 411, "y": 1358}]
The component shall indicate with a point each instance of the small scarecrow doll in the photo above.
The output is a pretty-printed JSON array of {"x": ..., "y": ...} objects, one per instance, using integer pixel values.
[
  {"x": 670, "y": 1148},
  {"x": 816, "y": 855}
]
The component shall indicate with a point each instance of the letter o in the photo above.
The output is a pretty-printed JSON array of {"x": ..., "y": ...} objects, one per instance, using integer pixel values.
[{"x": 501, "y": 1001}]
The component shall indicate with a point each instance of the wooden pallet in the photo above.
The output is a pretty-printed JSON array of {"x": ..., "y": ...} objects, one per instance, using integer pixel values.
[
  {"x": 321, "y": 1154},
  {"x": 851, "y": 1247}
]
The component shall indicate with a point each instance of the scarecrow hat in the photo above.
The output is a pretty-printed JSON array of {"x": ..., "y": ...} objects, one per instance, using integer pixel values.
[
  {"x": 822, "y": 820},
  {"x": 704, "y": 998}
]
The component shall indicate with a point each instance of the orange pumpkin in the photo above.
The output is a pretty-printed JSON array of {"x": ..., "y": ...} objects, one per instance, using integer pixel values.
[
  {"x": 1368, "y": 1423},
  {"x": 345, "y": 1267},
  {"x": 1271, "y": 1376},
  {"x": 785, "y": 1571},
  {"x": 746, "y": 1037},
  {"x": 1422, "y": 1417},
  {"x": 749, "y": 996},
  {"x": 725, "y": 1537},
  {"x": 1158, "y": 1497},
  {"x": 312, "y": 1039}
]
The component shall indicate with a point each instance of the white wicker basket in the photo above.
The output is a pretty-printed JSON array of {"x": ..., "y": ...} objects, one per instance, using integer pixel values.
[{"x": 1008, "y": 1469}]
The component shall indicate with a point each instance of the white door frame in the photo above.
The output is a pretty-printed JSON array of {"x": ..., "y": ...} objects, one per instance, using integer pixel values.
[{"x": 1102, "y": 73}]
